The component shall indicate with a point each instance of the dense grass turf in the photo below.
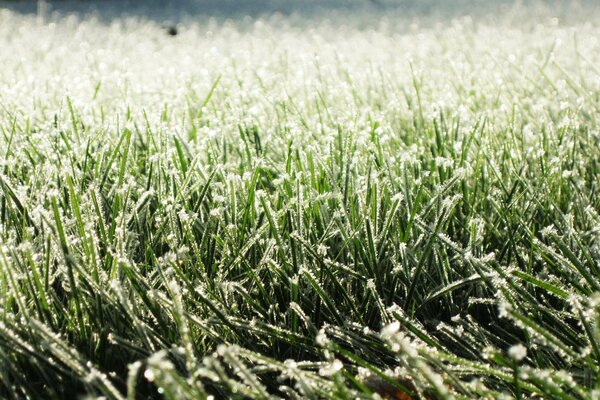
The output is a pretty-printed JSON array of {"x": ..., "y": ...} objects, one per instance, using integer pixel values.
[{"x": 270, "y": 208}]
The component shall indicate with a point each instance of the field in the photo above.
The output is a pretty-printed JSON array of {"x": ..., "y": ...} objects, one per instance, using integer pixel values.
[{"x": 352, "y": 200}]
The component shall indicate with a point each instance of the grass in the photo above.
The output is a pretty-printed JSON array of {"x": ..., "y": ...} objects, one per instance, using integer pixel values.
[{"x": 338, "y": 213}]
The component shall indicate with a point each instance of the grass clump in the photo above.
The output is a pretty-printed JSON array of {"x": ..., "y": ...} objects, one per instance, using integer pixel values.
[{"x": 334, "y": 222}]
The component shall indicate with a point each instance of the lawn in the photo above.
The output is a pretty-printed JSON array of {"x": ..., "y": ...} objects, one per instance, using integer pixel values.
[{"x": 357, "y": 200}]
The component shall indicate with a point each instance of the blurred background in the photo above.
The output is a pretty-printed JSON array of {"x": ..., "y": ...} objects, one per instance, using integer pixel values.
[{"x": 183, "y": 10}]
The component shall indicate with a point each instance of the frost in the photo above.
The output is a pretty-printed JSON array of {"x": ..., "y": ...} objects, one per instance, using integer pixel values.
[
  {"x": 389, "y": 330},
  {"x": 149, "y": 375},
  {"x": 517, "y": 352},
  {"x": 331, "y": 368}
]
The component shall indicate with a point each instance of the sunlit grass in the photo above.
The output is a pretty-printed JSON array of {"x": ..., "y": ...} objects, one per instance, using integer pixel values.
[{"x": 266, "y": 209}]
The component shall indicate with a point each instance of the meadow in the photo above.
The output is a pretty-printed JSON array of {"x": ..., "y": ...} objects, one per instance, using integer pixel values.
[{"x": 375, "y": 202}]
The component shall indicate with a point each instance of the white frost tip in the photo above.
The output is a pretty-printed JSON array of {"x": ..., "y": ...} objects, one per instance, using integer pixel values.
[
  {"x": 149, "y": 375},
  {"x": 390, "y": 330},
  {"x": 332, "y": 368},
  {"x": 517, "y": 352}
]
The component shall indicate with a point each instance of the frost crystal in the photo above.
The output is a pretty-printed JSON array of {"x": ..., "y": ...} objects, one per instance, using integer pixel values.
[{"x": 517, "y": 352}]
